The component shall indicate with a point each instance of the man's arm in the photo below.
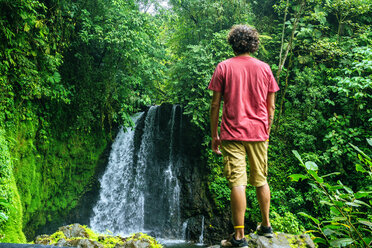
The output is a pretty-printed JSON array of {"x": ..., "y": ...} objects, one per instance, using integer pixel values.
[
  {"x": 214, "y": 117},
  {"x": 270, "y": 102}
]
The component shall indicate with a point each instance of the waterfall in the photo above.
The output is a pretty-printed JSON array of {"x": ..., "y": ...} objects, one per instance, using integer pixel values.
[
  {"x": 140, "y": 191},
  {"x": 184, "y": 230},
  {"x": 171, "y": 181},
  {"x": 201, "y": 237}
]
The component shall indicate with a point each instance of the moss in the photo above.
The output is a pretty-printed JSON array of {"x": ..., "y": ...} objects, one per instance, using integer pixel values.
[
  {"x": 91, "y": 234},
  {"x": 11, "y": 230},
  {"x": 145, "y": 237},
  {"x": 55, "y": 237},
  {"x": 108, "y": 241},
  {"x": 295, "y": 241},
  {"x": 51, "y": 174}
]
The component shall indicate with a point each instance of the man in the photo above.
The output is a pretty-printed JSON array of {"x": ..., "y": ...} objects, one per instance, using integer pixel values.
[{"x": 248, "y": 88}]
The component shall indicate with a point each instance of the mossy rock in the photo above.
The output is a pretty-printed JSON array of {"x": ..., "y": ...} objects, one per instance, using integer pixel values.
[
  {"x": 80, "y": 236},
  {"x": 280, "y": 240}
]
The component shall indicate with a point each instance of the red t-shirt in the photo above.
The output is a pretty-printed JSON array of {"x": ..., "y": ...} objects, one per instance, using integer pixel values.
[{"x": 244, "y": 82}]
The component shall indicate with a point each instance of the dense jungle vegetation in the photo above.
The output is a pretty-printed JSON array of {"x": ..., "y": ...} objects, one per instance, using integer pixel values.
[{"x": 72, "y": 71}]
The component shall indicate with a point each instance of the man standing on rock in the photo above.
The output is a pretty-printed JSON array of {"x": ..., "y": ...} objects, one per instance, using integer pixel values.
[{"x": 248, "y": 88}]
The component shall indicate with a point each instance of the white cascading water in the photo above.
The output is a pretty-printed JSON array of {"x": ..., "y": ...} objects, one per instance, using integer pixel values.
[
  {"x": 201, "y": 237},
  {"x": 171, "y": 181},
  {"x": 129, "y": 189}
]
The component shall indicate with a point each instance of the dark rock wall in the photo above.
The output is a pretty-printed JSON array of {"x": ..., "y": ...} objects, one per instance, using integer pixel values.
[{"x": 192, "y": 173}]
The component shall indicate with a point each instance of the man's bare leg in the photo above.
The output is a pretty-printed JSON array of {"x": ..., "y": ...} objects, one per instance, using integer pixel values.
[
  {"x": 238, "y": 206},
  {"x": 263, "y": 196}
]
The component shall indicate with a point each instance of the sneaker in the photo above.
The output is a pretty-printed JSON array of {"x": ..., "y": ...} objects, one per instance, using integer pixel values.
[
  {"x": 265, "y": 231},
  {"x": 232, "y": 242}
]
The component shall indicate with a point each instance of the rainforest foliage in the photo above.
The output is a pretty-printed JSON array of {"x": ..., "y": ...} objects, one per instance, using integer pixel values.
[{"x": 72, "y": 71}]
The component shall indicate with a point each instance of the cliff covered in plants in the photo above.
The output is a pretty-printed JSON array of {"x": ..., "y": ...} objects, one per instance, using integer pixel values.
[
  {"x": 70, "y": 73},
  {"x": 46, "y": 180}
]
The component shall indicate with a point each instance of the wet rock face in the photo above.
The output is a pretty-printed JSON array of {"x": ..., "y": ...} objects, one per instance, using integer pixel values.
[{"x": 195, "y": 203}]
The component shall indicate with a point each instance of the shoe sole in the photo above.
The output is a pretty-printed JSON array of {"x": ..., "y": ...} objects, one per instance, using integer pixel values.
[{"x": 225, "y": 243}]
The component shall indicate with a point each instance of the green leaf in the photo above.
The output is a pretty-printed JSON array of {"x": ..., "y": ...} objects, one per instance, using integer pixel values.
[
  {"x": 326, "y": 203},
  {"x": 316, "y": 177},
  {"x": 316, "y": 221},
  {"x": 344, "y": 196},
  {"x": 26, "y": 27},
  {"x": 339, "y": 218},
  {"x": 315, "y": 186},
  {"x": 3, "y": 216},
  {"x": 361, "y": 203},
  {"x": 352, "y": 204},
  {"x": 297, "y": 177},
  {"x": 349, "y": 190},
  {"x": 5, "y": 203},
  {"x": 339, "y": 203},
  {"x": 368, "y": 240},
  {"x": 57, "y": 77},
  {"x": 320, "y": 240},
  {"x": 361, "y": 194},
  {"x": 328, "y": 232},
  {"x": 341, "y": 242},
  {"x": 360, "y": 168},
  {"x": 331, "y": 174},
  {"x": 369, "y": 141},
  {"x": 310, "y": 165},
  {"x": 364, "y": 222},
  {"x": 333, "y": 227},
  {"x": 358, "y": 150},
  {"x": 298, "y": 156},
  {"x": 333, "y": 187}
]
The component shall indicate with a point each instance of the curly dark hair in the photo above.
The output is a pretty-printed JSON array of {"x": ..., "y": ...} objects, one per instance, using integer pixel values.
[{"x": 243, "y": 39}]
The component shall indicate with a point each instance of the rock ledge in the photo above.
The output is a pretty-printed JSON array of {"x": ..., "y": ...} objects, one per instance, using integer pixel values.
[
  {"x": 76, "y": 235},
  {"x": 280, "y": 240}
]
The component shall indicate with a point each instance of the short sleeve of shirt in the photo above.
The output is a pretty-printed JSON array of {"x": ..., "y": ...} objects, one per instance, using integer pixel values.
[
  {"x": 273, "y": 86},
  {"x": 216, "y": 83}
]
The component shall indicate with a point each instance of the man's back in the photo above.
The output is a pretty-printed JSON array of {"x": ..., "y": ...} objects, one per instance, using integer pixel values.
[{"x": 244, "y": 82}]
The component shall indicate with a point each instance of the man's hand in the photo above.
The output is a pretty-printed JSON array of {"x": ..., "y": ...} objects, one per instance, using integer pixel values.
[{"x": 216, "y": 142}]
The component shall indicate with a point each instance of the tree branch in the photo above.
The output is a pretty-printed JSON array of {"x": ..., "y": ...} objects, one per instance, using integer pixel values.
[{"x": 297, "y": 20}]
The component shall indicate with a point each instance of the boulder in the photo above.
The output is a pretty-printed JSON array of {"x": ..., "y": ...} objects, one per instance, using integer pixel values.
[
  {"x": 137, "y": 244},
  {"x": 74, "y": 231},
  {"x": 78, "y": 236},
  {"x": 42, "y": 240},
  {"x": 62, "y": 242},
  {"x": 85, "y": 243},
  {"x": 280, "y": 240}
]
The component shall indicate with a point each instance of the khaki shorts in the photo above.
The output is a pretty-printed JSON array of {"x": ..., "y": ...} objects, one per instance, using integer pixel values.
[{"x": 234, "y": 154}]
